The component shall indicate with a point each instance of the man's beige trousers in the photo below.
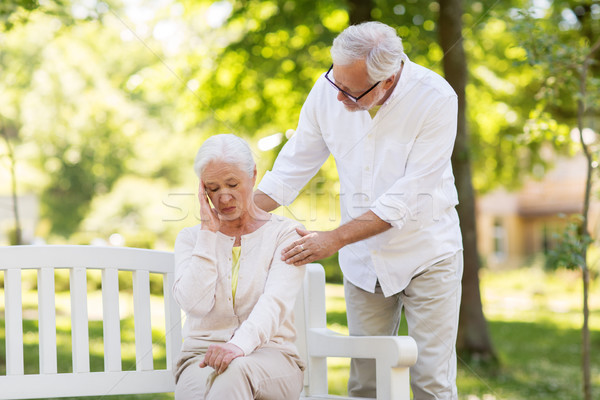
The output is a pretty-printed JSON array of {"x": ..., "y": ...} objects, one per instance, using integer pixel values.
[{"x": 431, "y": 305}]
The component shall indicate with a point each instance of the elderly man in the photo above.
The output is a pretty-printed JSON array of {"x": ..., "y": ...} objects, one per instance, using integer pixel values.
[{"x": 390, "y": 125}]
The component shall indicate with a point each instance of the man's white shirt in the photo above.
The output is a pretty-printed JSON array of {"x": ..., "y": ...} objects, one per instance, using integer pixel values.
[{"x": 396, "y": 164}]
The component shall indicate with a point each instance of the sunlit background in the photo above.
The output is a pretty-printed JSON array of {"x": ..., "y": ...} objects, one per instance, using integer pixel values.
[{"x": 103, "y": 105}]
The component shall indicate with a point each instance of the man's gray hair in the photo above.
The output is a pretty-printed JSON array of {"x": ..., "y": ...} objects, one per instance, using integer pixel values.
[
  {"x": 228, "y": 148},
  {"x": 376, "y": 43}
]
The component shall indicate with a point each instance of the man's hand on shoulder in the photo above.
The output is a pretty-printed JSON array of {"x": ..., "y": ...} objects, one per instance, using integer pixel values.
[
  {"x": 312, "y": 246},
  {"x": 317, "y": 245}
]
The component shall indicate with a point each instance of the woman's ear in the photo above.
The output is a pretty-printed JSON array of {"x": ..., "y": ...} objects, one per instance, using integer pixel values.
[{"x": 254, "y": 176}]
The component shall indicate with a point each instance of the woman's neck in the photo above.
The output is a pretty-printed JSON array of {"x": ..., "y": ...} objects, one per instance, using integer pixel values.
[{"x": 248, "y": 222}]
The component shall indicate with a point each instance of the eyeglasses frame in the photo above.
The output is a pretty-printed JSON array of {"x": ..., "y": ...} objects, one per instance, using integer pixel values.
[{"x": 348, "y": 95}]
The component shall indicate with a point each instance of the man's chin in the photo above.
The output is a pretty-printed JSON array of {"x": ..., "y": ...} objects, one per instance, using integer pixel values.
[{"x": 352, "y": 107}]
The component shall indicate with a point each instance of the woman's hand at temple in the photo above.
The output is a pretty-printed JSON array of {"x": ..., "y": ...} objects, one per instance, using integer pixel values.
[
  {"x": 208, "y": 215},
  {"x": 219, "y": 356}
]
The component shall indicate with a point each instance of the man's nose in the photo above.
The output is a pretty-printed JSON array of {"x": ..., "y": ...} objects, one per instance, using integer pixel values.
[{"x": 341, "y": 96}]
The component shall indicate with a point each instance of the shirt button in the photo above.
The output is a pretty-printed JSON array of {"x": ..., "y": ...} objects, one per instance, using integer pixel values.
[{"x": 367, "y": 168}]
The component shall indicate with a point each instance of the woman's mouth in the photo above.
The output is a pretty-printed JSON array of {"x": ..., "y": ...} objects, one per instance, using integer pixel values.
[{"x": 228, "y": 210}]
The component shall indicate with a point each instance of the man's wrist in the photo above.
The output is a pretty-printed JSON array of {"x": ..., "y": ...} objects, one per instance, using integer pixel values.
[{"x": 341, "y": 236}]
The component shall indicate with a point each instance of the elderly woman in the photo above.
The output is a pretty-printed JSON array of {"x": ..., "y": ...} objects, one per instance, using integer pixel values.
[{"x": 236, "y": 291}]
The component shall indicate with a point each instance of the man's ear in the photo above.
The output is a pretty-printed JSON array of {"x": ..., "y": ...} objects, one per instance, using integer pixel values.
[{"x": 389, "y": 82}]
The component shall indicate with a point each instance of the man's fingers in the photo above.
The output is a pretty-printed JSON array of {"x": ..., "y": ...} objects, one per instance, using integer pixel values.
[
  {"x": 302, "y": 232},
  {"x": 305, "y": 261},
  {"x": 291, "y": 247},
  {"x": 303, "y": 241},
  {"x": 299, "y": 259},
  {"x": 297, "y": 250}
]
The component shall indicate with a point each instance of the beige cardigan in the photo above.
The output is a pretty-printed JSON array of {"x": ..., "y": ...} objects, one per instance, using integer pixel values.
[{"x": 266, "y": 291}]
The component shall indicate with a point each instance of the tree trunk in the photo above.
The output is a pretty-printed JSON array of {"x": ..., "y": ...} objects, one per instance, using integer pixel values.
[
  {"x": 16, "y": 239},
  {"x": 473, "y": 337},
  {"x": 360, "y": 11},
  {"x": 585, "y": 330}
]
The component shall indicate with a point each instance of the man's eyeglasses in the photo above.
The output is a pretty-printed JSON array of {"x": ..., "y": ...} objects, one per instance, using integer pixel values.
[{"x": 348, "y": 95}]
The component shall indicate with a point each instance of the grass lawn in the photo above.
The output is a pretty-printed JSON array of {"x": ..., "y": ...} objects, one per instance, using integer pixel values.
[{"x": 534, "y": 320}]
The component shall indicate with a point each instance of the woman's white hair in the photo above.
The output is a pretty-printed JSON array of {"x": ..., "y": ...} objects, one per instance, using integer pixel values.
[
  {"x": 228, "y": 148},
  {"x": 376, "y": 43}
]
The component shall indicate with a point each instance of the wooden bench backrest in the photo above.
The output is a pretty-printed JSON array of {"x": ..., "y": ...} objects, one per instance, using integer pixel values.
[
  {"x": 81, "y": 382},
  {"x": 113, "y": 380}
]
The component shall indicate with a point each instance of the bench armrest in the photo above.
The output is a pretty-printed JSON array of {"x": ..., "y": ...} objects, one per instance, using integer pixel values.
[
  {"x": 395, "y": 351},
  {"x": 393, "y": 356}
]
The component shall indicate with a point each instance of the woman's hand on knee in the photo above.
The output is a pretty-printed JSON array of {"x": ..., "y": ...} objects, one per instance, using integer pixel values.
[{"x": 219, "y": 356}]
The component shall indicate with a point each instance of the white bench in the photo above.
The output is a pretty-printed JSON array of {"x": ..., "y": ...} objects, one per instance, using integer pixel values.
[{"x": 394, "y": 355}]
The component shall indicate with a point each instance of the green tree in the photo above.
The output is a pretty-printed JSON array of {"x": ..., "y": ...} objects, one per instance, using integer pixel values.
[
  {"x": 568, "y": 59},
  {"x": 8, "y": 132},
  {"x": 66, "y": 87},
  {"x": 17, "y": 12},
  {"x": 473, "y": 336}
]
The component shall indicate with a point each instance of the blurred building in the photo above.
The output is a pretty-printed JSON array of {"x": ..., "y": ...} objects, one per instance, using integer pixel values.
[{"x": 513, "y": 226}]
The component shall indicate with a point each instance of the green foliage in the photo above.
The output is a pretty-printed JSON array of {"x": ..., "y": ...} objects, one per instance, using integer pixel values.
[
  {"x": 500, "y": 102},
  {"x": 63, "y": 87},
  {"x": 571, "y": 247},
  {"x": 110, "y": 105},
  {"x": 559, "y": 55},
  {"x": 333, "y": 273},
  {"x": 16, "y": 12},
  {"x": 75, "y": 181}
]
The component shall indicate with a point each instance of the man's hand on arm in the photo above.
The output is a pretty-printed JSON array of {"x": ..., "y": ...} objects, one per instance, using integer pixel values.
[{"x": 317, "y": 245}]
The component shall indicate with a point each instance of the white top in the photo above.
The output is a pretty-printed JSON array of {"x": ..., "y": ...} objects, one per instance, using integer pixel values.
[
  {"x": 265, "y": 295},
  {"x": 396, "y": 164}
]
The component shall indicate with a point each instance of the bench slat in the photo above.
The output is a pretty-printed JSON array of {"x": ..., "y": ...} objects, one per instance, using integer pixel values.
[
  {"x": 79, "y": 320},
  {"x": 143, "y": 328},
  {"x": 86, "y": 384},
  {"x": 47, "y": 321},
  {"x": 173, "y": 337},
  {"x": 123, "y": 258},
  {"x": 111, "y": 324},
  {"x": 14, "y": 322}
]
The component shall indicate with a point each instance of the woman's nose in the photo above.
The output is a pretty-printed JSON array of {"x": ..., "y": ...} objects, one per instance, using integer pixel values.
[{"x": 225, "y": 197}]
